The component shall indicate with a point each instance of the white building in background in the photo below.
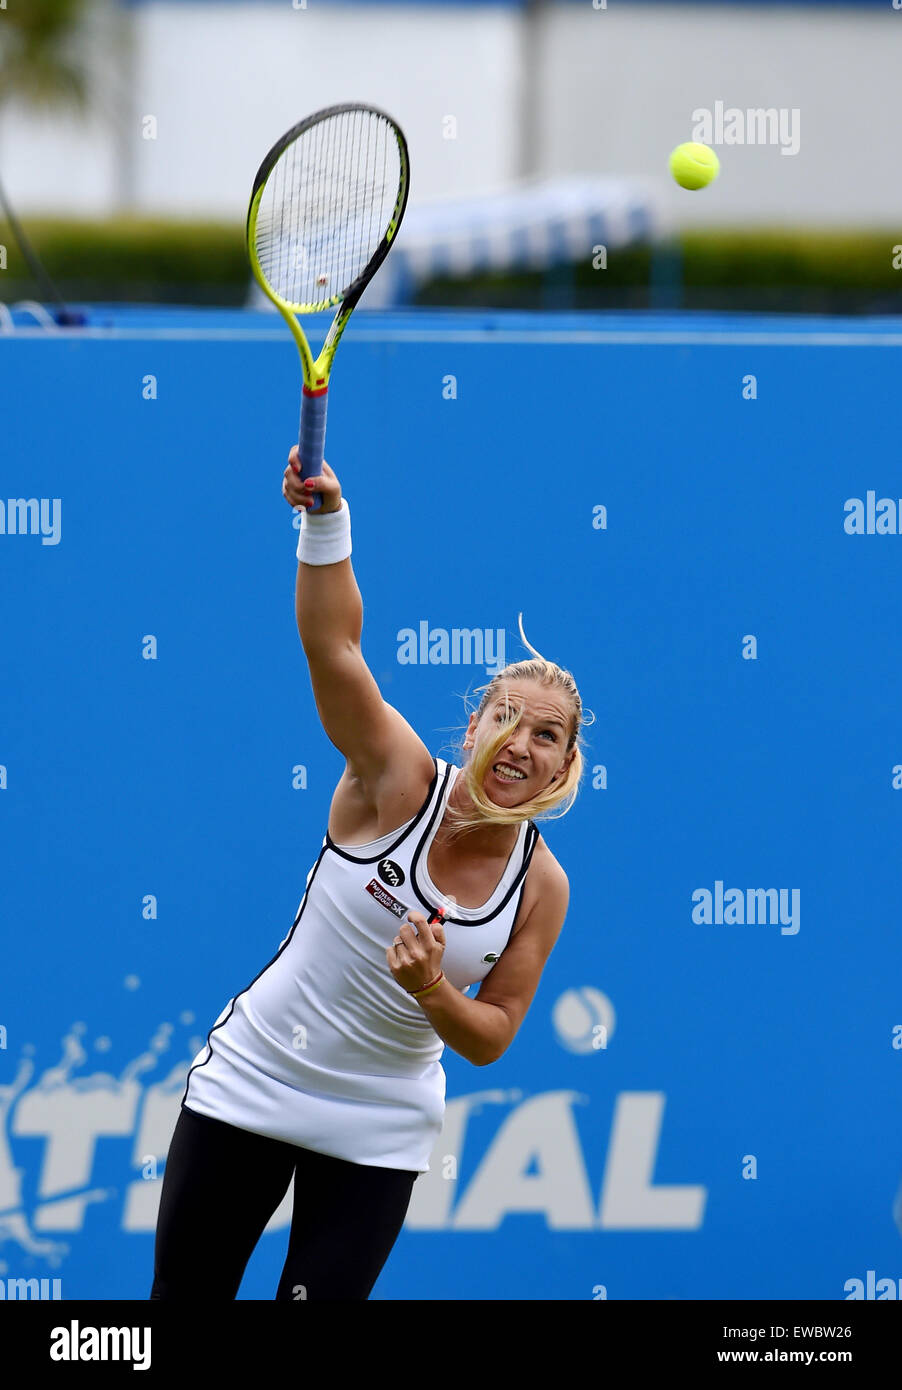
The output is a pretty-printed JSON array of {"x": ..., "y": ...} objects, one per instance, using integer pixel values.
[{"x": 190, "y": 95}]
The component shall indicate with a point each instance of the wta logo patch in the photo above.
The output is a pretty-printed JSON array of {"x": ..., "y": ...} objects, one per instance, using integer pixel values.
[
  {"x": 390, "y": 872},
  {"x": 383, "y": 896}
]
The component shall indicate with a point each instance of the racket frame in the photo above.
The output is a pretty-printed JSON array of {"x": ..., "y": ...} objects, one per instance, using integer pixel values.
[{"x": 317, "y": 370}]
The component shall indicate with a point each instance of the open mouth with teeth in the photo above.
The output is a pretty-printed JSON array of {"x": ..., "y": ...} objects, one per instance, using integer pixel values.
[{"x": 505, "y": 773}]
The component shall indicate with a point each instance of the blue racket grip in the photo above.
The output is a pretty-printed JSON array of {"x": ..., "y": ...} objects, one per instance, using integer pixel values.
[{"x": 312, "y": 440}]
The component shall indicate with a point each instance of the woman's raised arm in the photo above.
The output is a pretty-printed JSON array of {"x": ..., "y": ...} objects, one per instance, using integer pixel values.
[{"x": 373, "y": 736}]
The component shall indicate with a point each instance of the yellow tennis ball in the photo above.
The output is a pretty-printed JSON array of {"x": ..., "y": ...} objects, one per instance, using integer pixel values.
[{"x": 693, "y": 165}]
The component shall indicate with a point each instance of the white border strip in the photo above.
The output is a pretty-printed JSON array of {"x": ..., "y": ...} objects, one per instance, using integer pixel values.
[{"x": 541, "y": 337}]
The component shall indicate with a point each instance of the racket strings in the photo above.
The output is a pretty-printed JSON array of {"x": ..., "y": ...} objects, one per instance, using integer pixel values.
[{"x": 326, "y": 207}]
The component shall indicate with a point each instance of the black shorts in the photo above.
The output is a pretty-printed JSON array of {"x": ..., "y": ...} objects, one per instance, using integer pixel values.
[{"x": 222, "y": 1184}]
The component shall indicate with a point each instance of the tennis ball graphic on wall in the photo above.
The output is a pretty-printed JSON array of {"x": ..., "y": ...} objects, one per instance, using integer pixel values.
[{"x": 583, "y": 1019}]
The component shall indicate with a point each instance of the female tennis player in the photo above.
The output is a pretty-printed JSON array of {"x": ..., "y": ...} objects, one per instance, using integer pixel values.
[{"x": 325, "y": 1069}]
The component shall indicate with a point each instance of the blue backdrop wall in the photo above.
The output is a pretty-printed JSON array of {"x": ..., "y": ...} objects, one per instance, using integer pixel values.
[{"x": 700, "y": 1103}]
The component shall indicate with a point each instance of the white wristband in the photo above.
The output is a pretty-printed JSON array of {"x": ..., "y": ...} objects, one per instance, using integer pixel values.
[{"x": 325, "y": 539}]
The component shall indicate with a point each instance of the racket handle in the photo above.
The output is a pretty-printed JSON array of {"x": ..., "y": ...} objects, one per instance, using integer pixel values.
[{"x": 312, "y": 441}]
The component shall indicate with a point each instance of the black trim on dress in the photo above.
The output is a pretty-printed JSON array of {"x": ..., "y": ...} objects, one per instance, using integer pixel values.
[
  {"x": 532, "y": 835},
  {"x": 402, "y": 834}
]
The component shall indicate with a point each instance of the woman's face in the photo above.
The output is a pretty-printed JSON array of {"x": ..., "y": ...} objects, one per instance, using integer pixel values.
[{"x": 536, "y": 748}]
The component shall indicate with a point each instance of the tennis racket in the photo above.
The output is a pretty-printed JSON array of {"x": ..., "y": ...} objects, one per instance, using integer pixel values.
[{"x": 326, "y": 206}]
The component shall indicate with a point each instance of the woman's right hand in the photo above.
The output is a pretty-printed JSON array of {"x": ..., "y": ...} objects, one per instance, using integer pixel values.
[{"x": 298, "y": 494}]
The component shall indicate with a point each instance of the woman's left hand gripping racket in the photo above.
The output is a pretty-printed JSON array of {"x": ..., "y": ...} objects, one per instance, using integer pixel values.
[{"x": 326, "y": 206}]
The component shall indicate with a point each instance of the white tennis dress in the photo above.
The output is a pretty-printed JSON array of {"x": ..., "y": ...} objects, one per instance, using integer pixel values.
[{"x": 324, "y": 1048}]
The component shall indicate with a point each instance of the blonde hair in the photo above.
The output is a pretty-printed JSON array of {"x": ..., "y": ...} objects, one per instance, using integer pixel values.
[{"x": 483, "y": 755}]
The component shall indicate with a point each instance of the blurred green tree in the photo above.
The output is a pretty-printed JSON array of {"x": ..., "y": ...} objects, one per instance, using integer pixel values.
[
  {"x": 42, "y": 58},
  {"x": 43, "y": 63}
]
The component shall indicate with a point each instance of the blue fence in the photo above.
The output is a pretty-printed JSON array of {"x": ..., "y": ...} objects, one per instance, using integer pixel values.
[{"x": 698, "y": 517}]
